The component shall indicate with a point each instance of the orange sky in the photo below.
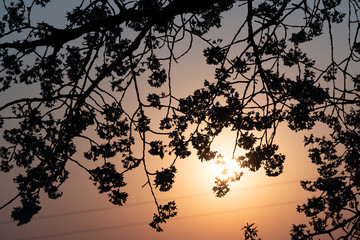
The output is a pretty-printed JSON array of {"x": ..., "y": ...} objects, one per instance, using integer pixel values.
[{"x": 271, "y": 203}]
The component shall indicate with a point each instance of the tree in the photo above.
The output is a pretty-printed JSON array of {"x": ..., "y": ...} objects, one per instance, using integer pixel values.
[{"x": 85, "y": 72}]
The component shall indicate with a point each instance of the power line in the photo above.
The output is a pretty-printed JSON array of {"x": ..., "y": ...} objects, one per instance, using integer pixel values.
[
  {"x": 92, "y": 210},
  {"x": 89, "y": 230}
]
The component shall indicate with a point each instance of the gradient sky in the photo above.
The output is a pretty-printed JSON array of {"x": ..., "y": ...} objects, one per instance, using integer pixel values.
[{"x": 82, "y": 213}]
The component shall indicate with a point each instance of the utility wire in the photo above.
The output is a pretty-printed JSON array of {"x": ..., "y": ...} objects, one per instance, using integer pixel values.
[
  {"x": 91, "y": 230},
  {"x": 92, "y": 210}
]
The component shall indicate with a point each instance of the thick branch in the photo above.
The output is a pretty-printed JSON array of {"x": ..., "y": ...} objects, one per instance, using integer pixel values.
[{"x": 58, "y": 37}]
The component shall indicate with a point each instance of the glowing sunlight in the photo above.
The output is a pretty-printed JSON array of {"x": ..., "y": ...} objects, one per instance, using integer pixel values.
[{"x": 225, "y": 167}]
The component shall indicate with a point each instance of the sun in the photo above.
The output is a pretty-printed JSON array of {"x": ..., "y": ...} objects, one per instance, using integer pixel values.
[{"x": 225, "y": 168}]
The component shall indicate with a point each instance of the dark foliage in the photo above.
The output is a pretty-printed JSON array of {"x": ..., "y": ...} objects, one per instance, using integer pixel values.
[{"x": 109, "y": 51}]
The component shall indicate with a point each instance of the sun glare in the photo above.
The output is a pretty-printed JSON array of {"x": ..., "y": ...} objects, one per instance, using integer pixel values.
[{"x": 225, "y": 168}]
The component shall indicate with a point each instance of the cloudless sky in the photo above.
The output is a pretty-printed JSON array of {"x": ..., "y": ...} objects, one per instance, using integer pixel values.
[{"x": 82, "y": 213}]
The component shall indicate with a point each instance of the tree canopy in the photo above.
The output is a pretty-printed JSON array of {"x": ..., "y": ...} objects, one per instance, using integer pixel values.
[{"x": 108, "y": 54}]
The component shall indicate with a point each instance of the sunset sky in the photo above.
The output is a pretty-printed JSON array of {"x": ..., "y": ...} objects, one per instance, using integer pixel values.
[{"x": 82, "y": 213}]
